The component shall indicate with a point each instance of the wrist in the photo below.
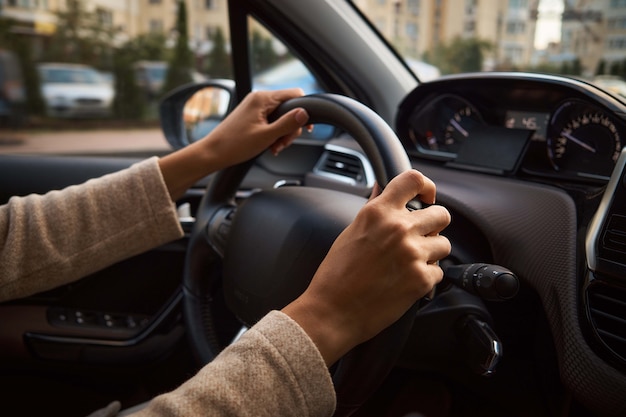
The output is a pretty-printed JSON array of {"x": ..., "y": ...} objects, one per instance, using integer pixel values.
[{"x": 327, "y": 331}]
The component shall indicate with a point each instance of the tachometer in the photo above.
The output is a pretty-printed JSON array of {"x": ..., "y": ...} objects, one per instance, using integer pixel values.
[
  {"x": 441, "y": 127},
  {"x": 583, "y": 141}
]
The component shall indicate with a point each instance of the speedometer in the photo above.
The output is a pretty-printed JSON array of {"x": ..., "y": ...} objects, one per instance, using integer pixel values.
[
  {"x": 440, "y": 128},
  {"x": 584, "y": 140}
]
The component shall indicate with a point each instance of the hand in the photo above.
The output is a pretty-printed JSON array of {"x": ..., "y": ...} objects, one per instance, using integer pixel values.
[
  {"x": 376, "y": 269},
  {"x": 244, "y": 134}
]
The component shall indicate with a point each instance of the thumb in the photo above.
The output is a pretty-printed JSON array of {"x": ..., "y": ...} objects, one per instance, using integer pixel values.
[{"x": 288, "y": 127}]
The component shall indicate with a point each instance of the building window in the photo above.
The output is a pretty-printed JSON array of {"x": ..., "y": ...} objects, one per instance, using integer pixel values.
[
  {"x": 105, "y": 17},
  {"x": 156, "y": 26},
  {"x": 470, "y": 6},
  {"x": 513, "y": 54},
  {"x": 410, "y": 31},
  {"x": 155, "y": 1},
  {"x": 617, "y": 43},
  {"x": 515, "y": 27},
  {"x": 618, "y": 4},
  {"x": 210, "y": 4},
  {"x": 413, "y": 7},
  {"x": 518, "y": 4},
  {"x": 617, "y": 23},
  {"x": 210, "y": 31}
]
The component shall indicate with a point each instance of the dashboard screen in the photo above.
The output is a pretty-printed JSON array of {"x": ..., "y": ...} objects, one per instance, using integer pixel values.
[{"x": 529, "y": 120}]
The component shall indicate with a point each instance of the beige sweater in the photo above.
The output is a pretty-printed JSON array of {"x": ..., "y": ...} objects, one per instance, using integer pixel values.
[{"x": 273, "y": 370}]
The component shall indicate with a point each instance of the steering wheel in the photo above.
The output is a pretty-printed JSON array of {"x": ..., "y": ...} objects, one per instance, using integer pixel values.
[{"x": 266, "y": 249}]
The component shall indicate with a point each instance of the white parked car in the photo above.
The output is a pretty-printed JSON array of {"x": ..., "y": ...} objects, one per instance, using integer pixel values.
[{"x": 73, "y": 90}]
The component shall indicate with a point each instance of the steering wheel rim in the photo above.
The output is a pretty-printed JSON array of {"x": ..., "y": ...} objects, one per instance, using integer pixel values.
[{"x": 358, "y": 373}]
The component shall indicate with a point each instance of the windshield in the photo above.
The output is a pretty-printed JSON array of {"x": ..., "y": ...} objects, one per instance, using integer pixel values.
[
  {"x": 584, "y": 39},
  {"x": 69, "y": 68}
]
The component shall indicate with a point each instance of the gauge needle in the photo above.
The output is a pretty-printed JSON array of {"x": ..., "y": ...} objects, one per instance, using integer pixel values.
[
  {"x": 578, "y": 142},
  {"x": 459, "y": 127}
]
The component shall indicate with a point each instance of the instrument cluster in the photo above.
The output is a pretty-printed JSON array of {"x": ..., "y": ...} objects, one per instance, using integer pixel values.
[{"x": 515, "y": 124}]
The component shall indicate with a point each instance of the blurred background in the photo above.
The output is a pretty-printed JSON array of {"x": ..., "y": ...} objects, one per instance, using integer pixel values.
[{"x": 82, "y": 76}]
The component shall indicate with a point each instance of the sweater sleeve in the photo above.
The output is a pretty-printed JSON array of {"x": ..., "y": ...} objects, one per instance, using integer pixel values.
[
  {"x": 273, "y": 370},
  {"x": 57, "y": 238}
]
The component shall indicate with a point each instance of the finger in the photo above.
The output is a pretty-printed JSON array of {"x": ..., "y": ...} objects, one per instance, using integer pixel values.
[
  {"x": 289, "y": 122},
  {"x": 406, "y": 186},
  {"x": 376, "y": 190},
  {"x": 431, "y": 274},
  {"x": 431, "y": 220},
  {"x": 287, "y": 128},
  {"x": 440, "y": 248},
  {"x": 278, "y": 96}
]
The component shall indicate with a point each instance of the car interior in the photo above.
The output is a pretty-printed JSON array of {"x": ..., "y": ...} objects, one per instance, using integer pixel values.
[{"x": 529, "y": 320}]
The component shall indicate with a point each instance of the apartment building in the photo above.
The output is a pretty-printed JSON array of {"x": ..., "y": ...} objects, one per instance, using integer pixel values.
[
  {"x": 417, "y": 26},
  {"x": 204, "y": 17},
  {"x": 128, "y": 18},
  {"x": 413, "y": 26},
  {"x": 594, "y": 31}
]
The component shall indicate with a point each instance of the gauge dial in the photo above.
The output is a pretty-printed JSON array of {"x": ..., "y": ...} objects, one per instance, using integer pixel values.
[
  {"x": 584, "y": 141},
  {"x": 441, "y": 127}
]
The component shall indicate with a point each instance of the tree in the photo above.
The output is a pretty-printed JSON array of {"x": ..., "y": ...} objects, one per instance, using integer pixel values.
[
  {"x": 81, "y": 37},
  {"x": 129, "y": 102},
  {"x": 601, "y": 69},
  {"x": 576, "y": 67},
  {"x": 218, "y": 63},
  {"x": 148, "y": 46},
  {"x": 459, "y": 55},
  {"x": 615, "y": 68},
  {"x": 181, "y": 63},
  {"x": 21, "y": 48},
  {"x": 263, "y": 54}
]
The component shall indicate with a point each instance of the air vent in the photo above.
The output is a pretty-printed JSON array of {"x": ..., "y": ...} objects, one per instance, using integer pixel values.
[
  {"x": 607, "y": 309},
  {"x": 345, "y": 165},
  {"x": 614, "y": 237}
]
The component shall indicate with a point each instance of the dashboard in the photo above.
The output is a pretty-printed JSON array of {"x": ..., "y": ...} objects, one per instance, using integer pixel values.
[{"x": 515, "y": 124}]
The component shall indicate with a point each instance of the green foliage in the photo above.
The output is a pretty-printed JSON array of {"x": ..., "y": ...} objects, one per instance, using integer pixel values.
[
  {"x": 459, "y": 55},
  {"x": 577, "y": 68},
  {"x": 129, "y": 102},
  {"x": 263, "y": 54},
  {"x": 218, "y": 63},
  {"x": 22, "y": 49},
  {"x": 148, "y": 46},
  {"x": 546, "y": 68},
  {"x": 181, "y": 64},
  {"x": 615, "y": 68},
  {"x": 601, "y": 69},
  {"x": 81, "y": 38}
]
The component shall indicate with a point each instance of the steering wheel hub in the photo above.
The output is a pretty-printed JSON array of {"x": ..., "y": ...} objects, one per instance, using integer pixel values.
[{"x": 277, "y": 240}]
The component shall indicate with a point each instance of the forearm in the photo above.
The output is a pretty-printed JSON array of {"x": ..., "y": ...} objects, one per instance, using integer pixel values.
[
  {"x": 273, "y": 370},
  {"x": 64, "y": 235},
  {"x": 182, "y": 169}
]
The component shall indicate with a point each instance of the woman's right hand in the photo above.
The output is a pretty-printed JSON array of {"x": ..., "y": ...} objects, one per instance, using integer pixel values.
[{"x": 378, "y": 267}]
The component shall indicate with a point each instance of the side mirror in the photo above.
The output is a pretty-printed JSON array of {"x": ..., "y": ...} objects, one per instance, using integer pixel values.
[{"x": 190, "y": 112}]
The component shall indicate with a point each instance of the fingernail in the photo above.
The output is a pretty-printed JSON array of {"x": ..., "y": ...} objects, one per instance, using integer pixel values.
[
  {"x": 278, "y": 149},
  {"x": 302, "y": 116}
]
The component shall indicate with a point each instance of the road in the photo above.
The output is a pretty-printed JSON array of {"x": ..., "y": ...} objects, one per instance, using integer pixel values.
[{"x": 85, "y": 141}]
